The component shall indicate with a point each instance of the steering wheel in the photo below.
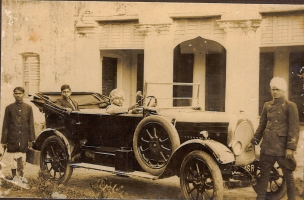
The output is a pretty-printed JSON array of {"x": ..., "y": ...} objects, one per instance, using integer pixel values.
[{"x": 150, "y": 99}]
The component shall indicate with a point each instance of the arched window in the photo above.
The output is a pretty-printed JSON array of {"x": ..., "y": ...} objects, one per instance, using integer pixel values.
[{"x": 31, "y": 73}]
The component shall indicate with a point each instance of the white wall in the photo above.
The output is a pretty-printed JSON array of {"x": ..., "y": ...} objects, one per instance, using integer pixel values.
[{"x": 69, "y": 53}]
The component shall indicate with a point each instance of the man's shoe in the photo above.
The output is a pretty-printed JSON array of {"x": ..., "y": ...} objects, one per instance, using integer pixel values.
[
  {"x": 23, "y": 179},
  {"x": 14, "y": 172},
  {"x": 9, "y": 178}
]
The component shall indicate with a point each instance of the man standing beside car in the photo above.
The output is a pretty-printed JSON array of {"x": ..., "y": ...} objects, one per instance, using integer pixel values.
[
  {"x": 18, "y": 133},
  {"x": 279, "y": 127},
  {"x": 66, "y": 102}
]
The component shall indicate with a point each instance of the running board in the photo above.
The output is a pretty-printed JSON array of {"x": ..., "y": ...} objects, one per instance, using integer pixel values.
[{"x": 113, "y": 171}]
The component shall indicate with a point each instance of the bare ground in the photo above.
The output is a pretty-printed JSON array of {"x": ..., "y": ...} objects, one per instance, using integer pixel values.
[{"x": 134, "y": 188}]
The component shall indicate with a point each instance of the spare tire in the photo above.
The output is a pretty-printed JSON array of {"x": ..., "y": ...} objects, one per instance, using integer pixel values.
[{"x": 154, "y": 141}]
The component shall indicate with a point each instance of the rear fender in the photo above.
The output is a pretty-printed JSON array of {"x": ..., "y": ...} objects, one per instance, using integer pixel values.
[
  {"x": 220, "y": 153},
  {"x": 49, "y": 132}
]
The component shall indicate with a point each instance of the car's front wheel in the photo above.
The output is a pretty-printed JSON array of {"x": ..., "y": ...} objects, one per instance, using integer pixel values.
[
  {"x": 200, "y": 177},
  {"x": 54, "y": 160}
]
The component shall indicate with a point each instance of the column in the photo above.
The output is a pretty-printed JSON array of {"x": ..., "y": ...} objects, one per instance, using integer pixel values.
[
  {"x": 199, "y": 75},
  {"x": 87, "y": 56},
  {"x": 158, "y": 50},
  {"x": 242, "y": 67}
]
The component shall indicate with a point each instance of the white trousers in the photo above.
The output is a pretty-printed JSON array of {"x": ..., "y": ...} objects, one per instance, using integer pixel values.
[{"x": 13, "y": 159}]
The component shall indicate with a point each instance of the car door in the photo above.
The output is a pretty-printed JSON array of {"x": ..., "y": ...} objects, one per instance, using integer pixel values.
[
  {"x": 89, "y": 127},
  {"x": 117, "y": 130},
  {"x": 107, "y": 130}
]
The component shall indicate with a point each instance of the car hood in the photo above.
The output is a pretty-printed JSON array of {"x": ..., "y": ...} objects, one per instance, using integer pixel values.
[{"x": 196, "y": 115}]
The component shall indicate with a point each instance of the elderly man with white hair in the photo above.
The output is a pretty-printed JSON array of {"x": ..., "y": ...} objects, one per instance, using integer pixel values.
[
  {"x": 117, "y": 98},
  {"x": 279, "y": 127}
]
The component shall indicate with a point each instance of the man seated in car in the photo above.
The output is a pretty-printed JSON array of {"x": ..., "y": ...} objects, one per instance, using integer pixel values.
[
  {"x": 66, "y": 102},
  {"x": 117, "y": 98}
]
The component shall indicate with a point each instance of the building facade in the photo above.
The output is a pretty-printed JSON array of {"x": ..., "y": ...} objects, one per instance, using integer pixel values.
[{"x": 231, "y": 50}]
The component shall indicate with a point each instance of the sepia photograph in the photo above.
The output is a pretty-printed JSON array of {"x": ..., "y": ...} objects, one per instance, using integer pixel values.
[{"x": 151, "y": 100}]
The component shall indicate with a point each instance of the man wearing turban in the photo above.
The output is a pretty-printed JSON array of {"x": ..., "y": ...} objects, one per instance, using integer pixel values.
[{"x": 279, "y": 127}]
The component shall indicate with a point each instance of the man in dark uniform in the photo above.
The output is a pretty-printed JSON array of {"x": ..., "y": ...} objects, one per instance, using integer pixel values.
[
  {"x": 66, "y": 102},
  {"x": 279, "y": 127},
  {"x": 18, "y": 132}
]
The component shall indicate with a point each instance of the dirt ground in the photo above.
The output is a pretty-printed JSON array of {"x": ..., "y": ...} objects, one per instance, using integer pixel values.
[{"x": 134, "y": 188}]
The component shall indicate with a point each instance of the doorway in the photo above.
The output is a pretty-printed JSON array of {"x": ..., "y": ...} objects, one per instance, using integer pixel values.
[
  {"x": 296, "y": 84},
  {"x": 183, "y": 73},
  {"x": 215, "y": 82},
  {"x": 265, "y": 75},
  {"x": 109, "y": 75},
  {"x": 140, "y": 73}
]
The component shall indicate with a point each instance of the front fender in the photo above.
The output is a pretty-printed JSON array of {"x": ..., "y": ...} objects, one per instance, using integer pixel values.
[
  {"x": 219, "y": 152},
  {"x": 69, "y": 145},
  {"x": 49, "y": 132}
]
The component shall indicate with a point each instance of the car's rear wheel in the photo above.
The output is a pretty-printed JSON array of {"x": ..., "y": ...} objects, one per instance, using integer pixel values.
[
  {"x": 276, "y": 186},
  {"x": 154, "y": 141},
  {"x": 54, "y": 160},
  {"x": 200, "y": 177}
]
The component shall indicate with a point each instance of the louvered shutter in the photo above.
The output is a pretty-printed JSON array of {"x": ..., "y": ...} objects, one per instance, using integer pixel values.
[
  {"x": 120, "y": 35},
  {"x": 31, "y": 74},
  {"x": 199, "y": 27},
  {"x": 282, "y": 30}
]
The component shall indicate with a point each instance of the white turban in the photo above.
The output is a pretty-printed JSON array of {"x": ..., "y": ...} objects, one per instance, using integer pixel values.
[{"x": 279, "y": 83}]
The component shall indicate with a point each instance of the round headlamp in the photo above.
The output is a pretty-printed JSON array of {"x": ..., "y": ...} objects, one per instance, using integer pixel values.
[{"x": 205, "y": 134}]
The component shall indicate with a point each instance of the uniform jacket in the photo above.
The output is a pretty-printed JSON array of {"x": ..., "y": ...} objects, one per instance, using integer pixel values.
[
  {"x": 18, "y": 127},
  {"x": 65, "y": 104},
  {"x": 279, "y": 127}
]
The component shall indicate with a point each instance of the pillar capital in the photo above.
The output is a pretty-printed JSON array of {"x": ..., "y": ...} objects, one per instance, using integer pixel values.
[
  {"x": 159, "y": 29},
  {"x": 86, "y": 31},
  {"x": 86, "y": 26},
  {"x": 245, "y": 26}
]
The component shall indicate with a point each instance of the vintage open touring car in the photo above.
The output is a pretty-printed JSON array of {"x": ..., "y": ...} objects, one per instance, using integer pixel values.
[{"x": 203, "y": 148}]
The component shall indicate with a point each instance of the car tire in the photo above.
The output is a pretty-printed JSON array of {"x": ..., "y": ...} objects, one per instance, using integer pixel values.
[
  {"x": 154, "y": 141},
  {"x": 200, "y": 177},
  {"x": 277, "y": 180},
  {"x": 54, "y": 159}
]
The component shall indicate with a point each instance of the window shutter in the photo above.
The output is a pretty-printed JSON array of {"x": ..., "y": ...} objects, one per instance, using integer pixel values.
[
  {"x": 31, "y": 74},
  {"x": 282, "y": 30},
  {"x": 120, "y": 35},
  {"x": 198, "y": 27}
]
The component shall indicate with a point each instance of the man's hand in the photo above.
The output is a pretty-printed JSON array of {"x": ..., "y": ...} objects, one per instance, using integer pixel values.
[
  {"x": 249, "y": 147},
  {"x": 30, "y": 144},
  {"x": 137, "y": 110},
  {"x": 133, "y": 106},
  {"x": 4, "y": 146},
  {"x": 69, "y": 110},
  {"x": 289, "y": 153}
]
